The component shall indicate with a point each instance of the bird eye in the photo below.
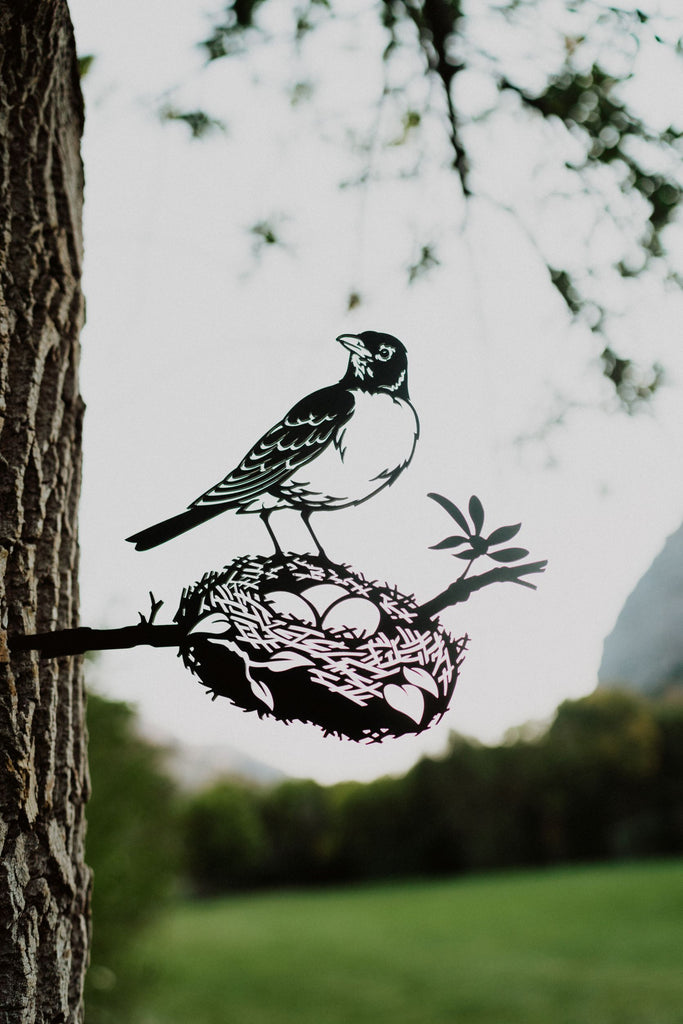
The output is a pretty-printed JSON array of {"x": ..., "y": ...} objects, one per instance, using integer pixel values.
[{"x": 385, "y": 352}]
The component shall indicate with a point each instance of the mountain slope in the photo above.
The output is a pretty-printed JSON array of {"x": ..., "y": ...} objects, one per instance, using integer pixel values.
[{"x": 644, "y": 651}]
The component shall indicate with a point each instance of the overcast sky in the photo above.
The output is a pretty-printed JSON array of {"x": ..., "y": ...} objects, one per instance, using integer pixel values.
[{"x": 194, "y": 346}]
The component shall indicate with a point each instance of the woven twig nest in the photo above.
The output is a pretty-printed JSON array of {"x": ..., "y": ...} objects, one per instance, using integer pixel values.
[{"x": 314, "y": 642}]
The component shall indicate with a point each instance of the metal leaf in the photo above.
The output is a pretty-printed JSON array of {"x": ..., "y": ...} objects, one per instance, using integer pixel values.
[
  {"x": 213, "y": 624},
  {"x": 477, "y": 513},
  {"x": 504, "y": 533},
  {"x": 453, "y": 511},
  {"x": 469, "y": 554},
  {"x": 420, "y": 677},
  {"x": 406, "y": 699},
  {"x": 508, "y": 554},
  {"x": 449, "y": 542},
  {"x": 285, "y": 660},
  {"x": 261, "y": 691}
]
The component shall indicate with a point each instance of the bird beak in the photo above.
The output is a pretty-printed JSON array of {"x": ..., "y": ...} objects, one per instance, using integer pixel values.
[{"x": 354, "y": 344}]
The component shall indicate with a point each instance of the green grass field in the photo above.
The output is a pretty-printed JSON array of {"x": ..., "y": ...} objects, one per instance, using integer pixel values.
[{"x": 590, "y": 945}]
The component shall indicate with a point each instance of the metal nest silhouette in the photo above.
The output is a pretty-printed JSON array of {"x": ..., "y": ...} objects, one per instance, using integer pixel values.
[
  {"x": 317, "y": 642},
  {"x": 298, "y": 637}
]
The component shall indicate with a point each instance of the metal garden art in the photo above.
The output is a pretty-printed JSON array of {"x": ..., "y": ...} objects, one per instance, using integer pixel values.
[{"x": 295, "y": 635}]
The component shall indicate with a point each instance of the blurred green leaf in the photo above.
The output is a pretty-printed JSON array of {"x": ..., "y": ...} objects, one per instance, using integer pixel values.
[
  {"x": 198, "y": 121},
  {"x": 565, "y": 286},
  {"x": 265, "y": 231},
  {"x": 426, "y": 261},
  {"x": 634, "y": 384},
  {"x": 266, "y": 235},
  {"x": 84, "y": 64},
  {"x": 409, "y": 122},
  {"x": 302, "y": 92}
]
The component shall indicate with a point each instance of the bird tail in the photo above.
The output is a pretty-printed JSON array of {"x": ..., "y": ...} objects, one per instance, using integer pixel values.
[{"x": 170, "y": 528}]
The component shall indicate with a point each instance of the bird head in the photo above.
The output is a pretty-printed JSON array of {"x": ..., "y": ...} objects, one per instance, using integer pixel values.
[{"x": 378, "y": 362}]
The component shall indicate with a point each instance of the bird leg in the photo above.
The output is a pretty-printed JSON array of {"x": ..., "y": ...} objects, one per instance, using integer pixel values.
[
  {"x": 265, "y": 516},
  {"x": 306, "y": 516}
]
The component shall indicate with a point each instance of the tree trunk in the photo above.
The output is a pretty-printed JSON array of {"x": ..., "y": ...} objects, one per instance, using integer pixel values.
[{"x": 44, "y": 885}]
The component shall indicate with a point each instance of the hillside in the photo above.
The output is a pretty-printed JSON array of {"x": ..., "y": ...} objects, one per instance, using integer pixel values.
[{"x": 644, "y": 651}]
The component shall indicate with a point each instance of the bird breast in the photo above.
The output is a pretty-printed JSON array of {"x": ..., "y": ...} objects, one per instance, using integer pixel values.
[{"x": 368, "y": 453}]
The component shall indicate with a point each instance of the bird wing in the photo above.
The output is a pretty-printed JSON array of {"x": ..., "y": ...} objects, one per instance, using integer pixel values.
[{"x": 307, "y": 429}]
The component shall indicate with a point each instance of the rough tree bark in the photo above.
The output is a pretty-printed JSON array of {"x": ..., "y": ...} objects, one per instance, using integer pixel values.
[{"x": 44, "y": 885}]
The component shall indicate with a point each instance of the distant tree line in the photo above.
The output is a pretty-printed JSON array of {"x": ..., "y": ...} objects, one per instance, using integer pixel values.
[{"x": 604, "y": 781}]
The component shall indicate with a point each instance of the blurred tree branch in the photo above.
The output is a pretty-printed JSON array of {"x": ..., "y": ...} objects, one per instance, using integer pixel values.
[{"x": 577, "y": 82}]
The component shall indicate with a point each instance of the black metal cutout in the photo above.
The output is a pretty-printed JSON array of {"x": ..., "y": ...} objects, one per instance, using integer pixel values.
[
  {"x": 295, "y": 636},
  {"x": 334, "y": 449},
  {"x": 315, "y": 642}
]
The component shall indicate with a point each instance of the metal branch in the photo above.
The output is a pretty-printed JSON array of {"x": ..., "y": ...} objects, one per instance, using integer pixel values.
[
  {"x": 64, "y": 642},
  {"x": 463, "y": 587},
  {"x": 77, "y": 641}
]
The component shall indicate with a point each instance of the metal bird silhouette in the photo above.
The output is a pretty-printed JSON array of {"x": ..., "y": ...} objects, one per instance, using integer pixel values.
[{"x": 335, "y": 448}]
